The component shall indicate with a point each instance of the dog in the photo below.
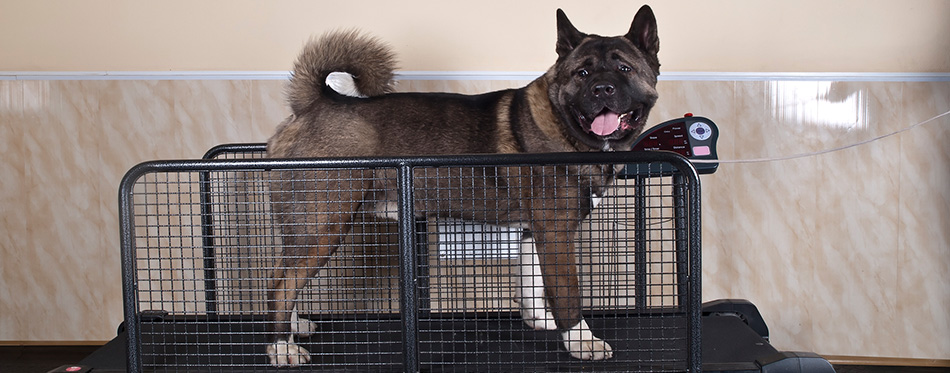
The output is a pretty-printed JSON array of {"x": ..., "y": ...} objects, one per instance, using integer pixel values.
[{"x": 595, "y": 98}]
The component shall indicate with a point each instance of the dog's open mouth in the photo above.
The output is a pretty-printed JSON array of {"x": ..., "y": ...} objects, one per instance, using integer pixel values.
[{"x": 608, "y": 122}]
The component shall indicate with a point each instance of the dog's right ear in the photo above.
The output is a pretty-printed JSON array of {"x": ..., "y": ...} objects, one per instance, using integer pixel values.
[{"x": 568, "y": 37}]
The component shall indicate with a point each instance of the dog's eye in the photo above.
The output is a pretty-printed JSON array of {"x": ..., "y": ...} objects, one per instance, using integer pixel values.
[
  {"x": 625, "y": 68},
  {"x": 583, "y": 73}
]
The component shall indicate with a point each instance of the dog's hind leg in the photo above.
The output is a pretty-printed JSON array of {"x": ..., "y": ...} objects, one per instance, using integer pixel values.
[
  {"x": 293, "y": 273},
  {"x": 313, "y": 217},
  {"x": 301, "y": 327}
]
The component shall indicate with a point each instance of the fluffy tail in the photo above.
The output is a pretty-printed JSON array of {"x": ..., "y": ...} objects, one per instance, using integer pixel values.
[{"x": 369, "y": 61}]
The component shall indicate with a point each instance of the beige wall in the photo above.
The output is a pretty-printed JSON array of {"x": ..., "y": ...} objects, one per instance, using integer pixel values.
[
  {"x": 736, "y": 35},
  {"x": 844, "y": 253}
]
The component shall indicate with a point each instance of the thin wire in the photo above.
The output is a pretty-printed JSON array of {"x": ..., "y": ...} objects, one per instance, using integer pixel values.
[{"x": 803, "y": 155}]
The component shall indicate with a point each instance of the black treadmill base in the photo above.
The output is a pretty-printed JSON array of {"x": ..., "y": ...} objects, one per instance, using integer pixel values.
[
  {"x": 497, "y": 341},
  {"x": 729, "y": 345}
]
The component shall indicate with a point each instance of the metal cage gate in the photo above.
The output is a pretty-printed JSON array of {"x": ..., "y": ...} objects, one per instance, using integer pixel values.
[{"x": 414, "y": 284}]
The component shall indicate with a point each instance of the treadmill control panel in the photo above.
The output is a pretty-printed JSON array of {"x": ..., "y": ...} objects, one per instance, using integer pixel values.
[{"x": 691, "y": 136}]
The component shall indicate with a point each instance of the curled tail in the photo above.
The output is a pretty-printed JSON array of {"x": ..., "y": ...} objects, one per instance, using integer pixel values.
[{"x": 369, "y": 61}]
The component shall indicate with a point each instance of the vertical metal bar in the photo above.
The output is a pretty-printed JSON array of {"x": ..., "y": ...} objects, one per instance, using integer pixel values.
[
  {"x": 129, "y": 277},
  {"x": 640, "y": 242},
  {"x": 407, "y": 270},
  {"x": 207, "y": 242},
  {"x": 696, "y": 275},
  {"x": 686, "y": 196}
]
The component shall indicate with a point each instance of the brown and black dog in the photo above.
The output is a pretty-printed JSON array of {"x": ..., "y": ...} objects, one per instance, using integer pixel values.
[{"x": 596, "y": 97}]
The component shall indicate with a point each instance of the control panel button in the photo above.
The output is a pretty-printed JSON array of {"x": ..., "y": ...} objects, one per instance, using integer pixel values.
[{"x": 700, "y": 131}]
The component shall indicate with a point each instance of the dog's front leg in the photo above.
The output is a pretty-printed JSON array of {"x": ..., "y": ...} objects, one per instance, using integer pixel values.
[
  {"x": 562, "y": 288},
  {"x": 529, "y": 288}
]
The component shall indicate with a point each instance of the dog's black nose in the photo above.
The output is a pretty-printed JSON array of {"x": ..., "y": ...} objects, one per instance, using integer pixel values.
[{"x": 604, "y": 90}]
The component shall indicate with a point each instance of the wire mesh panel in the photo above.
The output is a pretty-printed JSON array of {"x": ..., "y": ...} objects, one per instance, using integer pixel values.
[
  {"x": 467, "y": 263},
  {"x": 481, "y": 279}
]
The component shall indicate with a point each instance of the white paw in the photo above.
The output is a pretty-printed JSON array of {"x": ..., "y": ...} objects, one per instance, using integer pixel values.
[
  {"x": 287, "y": 354},
  {"x": 582, "y": 344},
  {"x": 301, "y": 327}
]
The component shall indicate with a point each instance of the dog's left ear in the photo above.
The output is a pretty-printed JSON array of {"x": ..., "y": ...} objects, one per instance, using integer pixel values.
[
  {"x": 568, "y": 37},
  {"x": 643, "y": 34}
]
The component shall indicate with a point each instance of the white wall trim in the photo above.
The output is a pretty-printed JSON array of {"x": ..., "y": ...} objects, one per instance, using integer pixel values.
[
  {"x": 806, "y": 76},
  {"x": 470, "y": 75},
  {"x": 144, "y": 75}
]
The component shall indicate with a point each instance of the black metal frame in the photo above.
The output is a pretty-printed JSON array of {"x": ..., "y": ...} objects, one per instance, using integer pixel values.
[{"x": 687, "y": 222}]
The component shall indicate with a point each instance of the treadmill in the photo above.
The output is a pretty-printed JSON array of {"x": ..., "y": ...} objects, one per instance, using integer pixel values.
[{"x": 735, "y": 337}]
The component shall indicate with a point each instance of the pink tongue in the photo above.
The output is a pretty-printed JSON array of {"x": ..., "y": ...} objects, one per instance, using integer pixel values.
[{"x": 605, "y": 124}]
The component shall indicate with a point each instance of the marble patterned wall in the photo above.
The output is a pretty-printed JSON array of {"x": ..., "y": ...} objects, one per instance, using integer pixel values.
[{"x": 845, "y": 253}]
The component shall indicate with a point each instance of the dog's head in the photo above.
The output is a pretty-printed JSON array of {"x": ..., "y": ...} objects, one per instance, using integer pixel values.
[{"x": 604, "y": 87}]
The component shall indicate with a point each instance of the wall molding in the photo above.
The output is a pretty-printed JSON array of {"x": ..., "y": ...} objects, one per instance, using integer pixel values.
[
  {"x": 806, "y": 76},
  {"x": 144, "y": 75},
  {"x": 472, "y": 75}
]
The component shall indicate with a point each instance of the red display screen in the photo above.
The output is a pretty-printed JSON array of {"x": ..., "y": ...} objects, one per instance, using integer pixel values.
[{"x": 670, "y": 137}]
